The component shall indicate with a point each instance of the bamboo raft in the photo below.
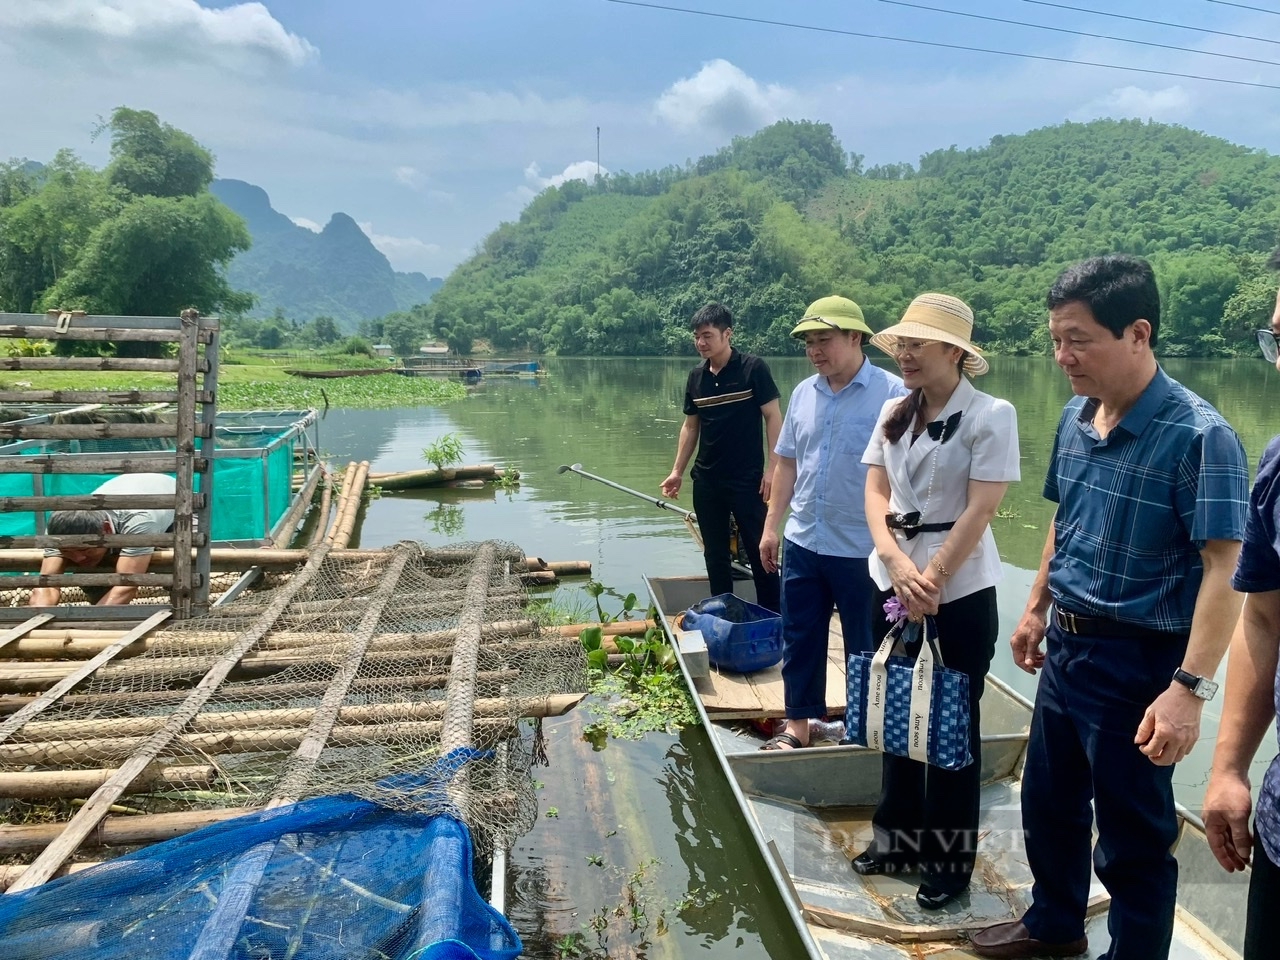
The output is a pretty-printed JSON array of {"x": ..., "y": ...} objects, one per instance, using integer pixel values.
[{"x": 110, "y": 738}]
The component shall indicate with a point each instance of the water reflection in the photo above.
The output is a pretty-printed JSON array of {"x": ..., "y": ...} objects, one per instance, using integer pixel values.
[{"x": 665, "y": 797}]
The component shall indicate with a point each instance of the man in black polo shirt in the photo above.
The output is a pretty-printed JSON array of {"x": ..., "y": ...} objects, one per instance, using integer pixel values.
[{"x": 729, "y": 398}]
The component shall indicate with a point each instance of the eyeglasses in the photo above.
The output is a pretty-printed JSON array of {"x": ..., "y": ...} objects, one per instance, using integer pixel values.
[
  {"x": 1267, "y": 341},
  {"x": 912, "y": 347}
]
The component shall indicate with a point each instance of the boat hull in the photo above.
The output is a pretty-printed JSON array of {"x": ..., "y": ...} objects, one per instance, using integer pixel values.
[{"x": 809, "y": 812}]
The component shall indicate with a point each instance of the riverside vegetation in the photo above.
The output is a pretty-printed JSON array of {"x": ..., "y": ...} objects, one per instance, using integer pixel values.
[{"x": 773, "y": 220}]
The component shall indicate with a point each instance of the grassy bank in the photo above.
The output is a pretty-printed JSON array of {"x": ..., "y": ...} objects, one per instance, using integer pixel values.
[{"x": 252, "y": 381}]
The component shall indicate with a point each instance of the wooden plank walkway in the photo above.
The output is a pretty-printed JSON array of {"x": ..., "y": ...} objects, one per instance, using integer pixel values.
[{"x": 734, "y": 696}]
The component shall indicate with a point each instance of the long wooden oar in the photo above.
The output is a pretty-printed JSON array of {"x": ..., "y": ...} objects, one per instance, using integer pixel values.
[
  {"x": 690, "y": 518},
  {"x": 656, "y": 501}
]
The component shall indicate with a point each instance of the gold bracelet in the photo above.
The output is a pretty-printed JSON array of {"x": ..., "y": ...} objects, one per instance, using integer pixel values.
[{"x": 941, "y": 569}]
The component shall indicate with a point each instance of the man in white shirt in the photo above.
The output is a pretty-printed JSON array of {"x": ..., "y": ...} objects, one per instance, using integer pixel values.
[
  {"x": 820, "y": 474},
  {"x": 127, "y": 560}
]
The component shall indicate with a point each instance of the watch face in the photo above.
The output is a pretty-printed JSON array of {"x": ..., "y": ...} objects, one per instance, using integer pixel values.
[{"x": 1206, "y": 689}]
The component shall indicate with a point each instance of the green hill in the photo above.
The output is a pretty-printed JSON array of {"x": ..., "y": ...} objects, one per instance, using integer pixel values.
[{"x": 776, "y": 220}]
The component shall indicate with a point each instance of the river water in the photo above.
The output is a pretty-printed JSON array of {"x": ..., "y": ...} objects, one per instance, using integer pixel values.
[{"x": 654, "y": 817}]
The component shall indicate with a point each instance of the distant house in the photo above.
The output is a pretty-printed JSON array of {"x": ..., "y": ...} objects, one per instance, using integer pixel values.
[
  {"x": 383, "y": 350},
  {"x": 434, "y": 350}
]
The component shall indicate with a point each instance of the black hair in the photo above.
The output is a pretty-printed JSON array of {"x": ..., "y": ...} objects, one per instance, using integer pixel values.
[
  {"x": 904, "y": 414},
  {"x": 1117, "y": 288},
  {"x": 714, "y": 314},
  {"x": 76, "y": 521},
  {"x": 1273, "y": 261}
]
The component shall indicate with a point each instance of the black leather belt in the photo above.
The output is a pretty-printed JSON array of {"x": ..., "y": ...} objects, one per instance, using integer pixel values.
[
  {"x": 909, "y": 523},
  {"x": 1102, "y": 627}
]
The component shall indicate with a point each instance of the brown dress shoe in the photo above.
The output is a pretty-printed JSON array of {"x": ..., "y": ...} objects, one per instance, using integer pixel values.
[{"x": 1011, "y": 940}]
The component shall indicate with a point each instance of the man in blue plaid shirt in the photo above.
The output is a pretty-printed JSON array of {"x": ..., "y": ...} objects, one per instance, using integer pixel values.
[
  {"x": 1250, "y": 699},
  {"x": 1151, "y": 485}
]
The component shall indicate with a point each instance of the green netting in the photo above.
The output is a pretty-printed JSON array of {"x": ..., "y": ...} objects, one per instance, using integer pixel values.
[{"x": 251, "y": 478}]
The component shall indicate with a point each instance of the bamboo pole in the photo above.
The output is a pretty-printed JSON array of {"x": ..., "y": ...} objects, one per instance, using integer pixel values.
[
  {"x": 268, "y": 740},
  {"x": 344, "y": 494},
  {"x": 11, "y": 725},
  {"x": 303, "y": 761},
  {"x": 72, "y": 646},
  {"x": 84, "y": 822},
  {"x": 43, "y": 784},
  {"x": 238, "y": 692},
  {"x": 175, "y": 669},
  {"x": 301, "y": 503},
  {"x": 113, "y": 831},
  {"x": 24, "y": 628},
  {"x": 322, "y": 517},
  {"x": 342, "y": 535},
  {"x": 87, "y": 732}
]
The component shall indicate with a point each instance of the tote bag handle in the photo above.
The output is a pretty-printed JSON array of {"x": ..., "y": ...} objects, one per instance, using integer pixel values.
[{"x": 921, "y": 690}]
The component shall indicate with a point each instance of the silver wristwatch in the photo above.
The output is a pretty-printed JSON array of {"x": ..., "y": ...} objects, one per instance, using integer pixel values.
[{"x": 1202, "y": 687}]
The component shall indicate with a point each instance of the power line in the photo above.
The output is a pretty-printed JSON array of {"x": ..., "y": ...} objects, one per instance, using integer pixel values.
[
  {"x": 1078, "y": 33},
  {"x": 1245, "y": 6},
  {"x": 934, "y": 43},
  {"x": 1158, "y": 23}
]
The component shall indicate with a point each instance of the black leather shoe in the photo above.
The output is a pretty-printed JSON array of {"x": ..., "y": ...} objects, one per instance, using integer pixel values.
[
  {"x": 932, "y": 898},
  {"x": 865, "y": 865}
]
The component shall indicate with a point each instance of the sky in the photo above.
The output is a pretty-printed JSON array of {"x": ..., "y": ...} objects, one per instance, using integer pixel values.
[{"x": 431, "y": 122}]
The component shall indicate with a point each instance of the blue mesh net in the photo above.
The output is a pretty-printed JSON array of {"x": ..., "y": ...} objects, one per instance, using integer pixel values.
[{"x": 331, "y": 877}]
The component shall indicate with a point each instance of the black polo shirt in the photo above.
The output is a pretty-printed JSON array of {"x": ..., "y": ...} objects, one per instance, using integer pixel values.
[{"x": 731, "y": 428}]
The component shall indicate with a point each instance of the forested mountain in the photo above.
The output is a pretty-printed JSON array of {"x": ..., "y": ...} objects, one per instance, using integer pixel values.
[
  {"x": 778, "y": 219},
  {"x": 337, "y": 273}
]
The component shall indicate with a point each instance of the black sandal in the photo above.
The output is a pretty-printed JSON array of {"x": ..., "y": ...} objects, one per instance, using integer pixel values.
[{"x": 776, "y": 742}]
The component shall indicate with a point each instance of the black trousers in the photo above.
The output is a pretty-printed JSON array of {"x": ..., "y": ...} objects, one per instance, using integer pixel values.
[
  {"x": 926, "y": 815},
  {"x": 714, "y": 501},
  {"x": 1262, "y": 927}
]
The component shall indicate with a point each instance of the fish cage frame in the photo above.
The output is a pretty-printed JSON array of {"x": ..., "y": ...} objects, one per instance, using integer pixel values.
[{"x": 195, "y": 397}]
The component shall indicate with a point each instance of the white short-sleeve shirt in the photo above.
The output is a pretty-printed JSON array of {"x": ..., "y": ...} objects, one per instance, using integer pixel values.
[{"x": 932, "y": 477}]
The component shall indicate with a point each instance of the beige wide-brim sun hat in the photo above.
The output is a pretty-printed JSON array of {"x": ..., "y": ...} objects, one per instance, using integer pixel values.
[{"x": 936, "y": 316}]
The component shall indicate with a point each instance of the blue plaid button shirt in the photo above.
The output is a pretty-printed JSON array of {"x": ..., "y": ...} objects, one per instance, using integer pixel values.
[
  {"x": 1258, "y": 571},
  {"x": 1136, "y": 507}
]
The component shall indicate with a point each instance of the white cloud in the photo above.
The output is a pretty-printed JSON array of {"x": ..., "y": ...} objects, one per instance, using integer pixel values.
[
  {"x": 408, "y": 176},
  {"x": 723, "y": 98},
  {"x": 405, "y": 253},
  {"x": 182, "y": 25},
  {"x": 309, "y": 224},
  {"x": 578, "y": 170},
  {"x": 1170, "y": 104}
]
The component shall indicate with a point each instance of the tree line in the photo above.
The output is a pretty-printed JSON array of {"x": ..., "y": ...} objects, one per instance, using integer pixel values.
[
  {"x": 141, "y": 237},
  {"x": 775, "y": 220}
]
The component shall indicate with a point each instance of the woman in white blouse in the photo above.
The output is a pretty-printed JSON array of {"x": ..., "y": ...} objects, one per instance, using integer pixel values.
[{"x": 939, "y": 461}]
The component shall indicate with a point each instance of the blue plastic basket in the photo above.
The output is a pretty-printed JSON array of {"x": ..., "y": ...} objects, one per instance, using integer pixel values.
[{"x": 740, "y": 636}]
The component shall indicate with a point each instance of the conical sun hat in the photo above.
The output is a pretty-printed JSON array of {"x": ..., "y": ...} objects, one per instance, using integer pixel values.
[
  {"x": 936, "y": 316},
  {"x": 831, "y": 313}
]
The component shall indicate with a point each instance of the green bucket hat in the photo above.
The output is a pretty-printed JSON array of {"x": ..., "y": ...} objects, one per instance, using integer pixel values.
[{"x": 831, "y": 313}]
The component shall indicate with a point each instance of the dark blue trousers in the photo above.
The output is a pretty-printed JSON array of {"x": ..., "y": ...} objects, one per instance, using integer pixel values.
[
  {"x": 714, "y": 502},
  {"x": 926, "y": 815},
  {"x": 1262, "y": 924},
  {"x": 812, "y": 584},
  {"x": 1092, "y": 695}
]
